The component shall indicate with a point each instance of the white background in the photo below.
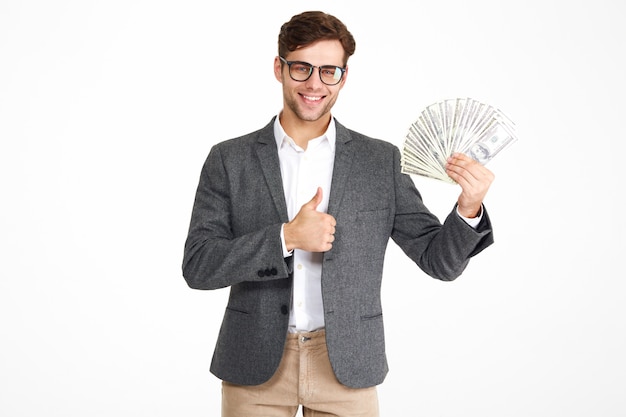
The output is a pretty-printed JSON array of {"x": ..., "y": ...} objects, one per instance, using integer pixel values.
[{"x": 109, "y": 108}]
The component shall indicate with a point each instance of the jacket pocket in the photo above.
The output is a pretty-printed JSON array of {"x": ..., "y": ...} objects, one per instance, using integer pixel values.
[
  {"x": 372, "y": 215},
  {"x": 372, "y": 317}
]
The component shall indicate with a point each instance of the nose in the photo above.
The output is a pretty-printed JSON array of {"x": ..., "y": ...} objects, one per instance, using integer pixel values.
[{"x": 314, "y": 80}]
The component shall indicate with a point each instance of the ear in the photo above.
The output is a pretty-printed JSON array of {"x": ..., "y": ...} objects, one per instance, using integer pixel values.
[{"x": 278, "y": 70}]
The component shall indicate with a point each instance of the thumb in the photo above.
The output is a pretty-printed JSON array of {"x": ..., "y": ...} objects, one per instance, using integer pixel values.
[{"x": 316, "y": 200}]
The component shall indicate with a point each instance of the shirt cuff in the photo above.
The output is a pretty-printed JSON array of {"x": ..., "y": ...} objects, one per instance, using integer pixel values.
[
  {"x": 473, "y": 221},
  {"x": 287, "y": 253}
]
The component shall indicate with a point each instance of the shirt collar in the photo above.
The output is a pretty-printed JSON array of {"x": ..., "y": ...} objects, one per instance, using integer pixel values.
[{"x": 282, "y": 137}]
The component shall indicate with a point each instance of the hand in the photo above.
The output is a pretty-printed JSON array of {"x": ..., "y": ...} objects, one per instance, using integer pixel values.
[
  {"x": 311, "y": 230},
  {"x": 474, "y": 180}
]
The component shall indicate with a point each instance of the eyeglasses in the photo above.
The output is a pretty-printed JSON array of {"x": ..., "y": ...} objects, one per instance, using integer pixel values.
[{"x": 301, "y": 71}]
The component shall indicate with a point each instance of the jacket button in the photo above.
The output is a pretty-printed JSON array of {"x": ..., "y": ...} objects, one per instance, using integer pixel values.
[
  {"x": 274, "y": 271},
  {"x": 284, "y": 309},
  {"x": 261, "y": 273},
  {"x": 268, "y": 272}
]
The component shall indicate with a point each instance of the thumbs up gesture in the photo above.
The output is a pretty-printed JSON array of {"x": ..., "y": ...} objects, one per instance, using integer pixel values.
[{"x": 311, "y": 230}]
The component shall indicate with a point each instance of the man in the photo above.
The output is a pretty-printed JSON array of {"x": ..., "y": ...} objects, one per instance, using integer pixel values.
[{"x": 295, "y": 219}]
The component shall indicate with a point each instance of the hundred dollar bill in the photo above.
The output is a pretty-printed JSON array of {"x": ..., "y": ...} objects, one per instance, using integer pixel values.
[{"x": 496, "y": 138}]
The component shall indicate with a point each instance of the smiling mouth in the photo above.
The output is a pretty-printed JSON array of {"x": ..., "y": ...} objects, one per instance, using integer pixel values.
[{"x": 309, "y": 98}]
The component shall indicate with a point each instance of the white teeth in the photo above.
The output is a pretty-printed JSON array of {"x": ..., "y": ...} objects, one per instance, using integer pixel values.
[{"x": 312, "y": 98}]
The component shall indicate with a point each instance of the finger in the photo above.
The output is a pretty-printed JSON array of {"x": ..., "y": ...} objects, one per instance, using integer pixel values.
[
  {"x": 460, "y": 174},
  {"x": 460, "y": 160},
  {"x": 316, "y": 200},
  {"x": 463, "y": 167}
]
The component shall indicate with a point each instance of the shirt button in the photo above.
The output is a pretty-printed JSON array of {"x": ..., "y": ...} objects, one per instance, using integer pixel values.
[{"x": 300, "y": 266}]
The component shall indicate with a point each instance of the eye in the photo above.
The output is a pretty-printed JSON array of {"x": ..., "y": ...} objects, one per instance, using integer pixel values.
[
  {"x": 330, "y": 72},
  {"x": 300, "y": 68}
]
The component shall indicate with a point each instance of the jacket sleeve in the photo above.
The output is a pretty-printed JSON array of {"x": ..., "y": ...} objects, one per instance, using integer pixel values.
[
  {"x": 216, "y": 253},
  {"x": 441, "y": 251}
]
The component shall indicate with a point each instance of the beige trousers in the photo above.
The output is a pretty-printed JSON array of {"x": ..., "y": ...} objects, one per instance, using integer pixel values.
[{"x": 304, "y": 377}]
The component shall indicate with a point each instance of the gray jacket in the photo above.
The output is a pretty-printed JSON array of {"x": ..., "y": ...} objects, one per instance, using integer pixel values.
[{"x": 234, "y": 241}]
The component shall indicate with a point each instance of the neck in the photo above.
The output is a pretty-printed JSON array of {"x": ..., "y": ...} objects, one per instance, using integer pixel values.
[{"x": 302, "y": 131}]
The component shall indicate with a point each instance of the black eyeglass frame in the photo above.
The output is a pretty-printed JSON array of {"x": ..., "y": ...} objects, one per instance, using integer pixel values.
[{"x": 311, "y": 68}]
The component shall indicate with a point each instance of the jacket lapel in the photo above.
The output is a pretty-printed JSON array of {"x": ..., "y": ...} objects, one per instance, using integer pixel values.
[
  {"x": 341, "y": 170},
  {"x": 268, "y": 158}
]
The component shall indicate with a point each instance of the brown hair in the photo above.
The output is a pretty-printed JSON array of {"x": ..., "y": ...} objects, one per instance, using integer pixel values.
[{"x": 309, "y": 27}]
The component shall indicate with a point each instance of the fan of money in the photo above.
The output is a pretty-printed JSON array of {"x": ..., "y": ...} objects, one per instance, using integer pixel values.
[{"x": 455, "y": 125}]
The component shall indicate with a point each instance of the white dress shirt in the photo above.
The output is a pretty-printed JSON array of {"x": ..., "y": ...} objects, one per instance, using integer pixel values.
[{"x": 303, "y": 171}]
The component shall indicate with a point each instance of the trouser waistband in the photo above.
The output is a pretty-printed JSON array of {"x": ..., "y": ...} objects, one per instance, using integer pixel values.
[{"x": 310, "y": 338}]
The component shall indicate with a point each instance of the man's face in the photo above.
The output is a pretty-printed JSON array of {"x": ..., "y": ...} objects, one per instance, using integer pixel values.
[{"x": 310, "y": 100}]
